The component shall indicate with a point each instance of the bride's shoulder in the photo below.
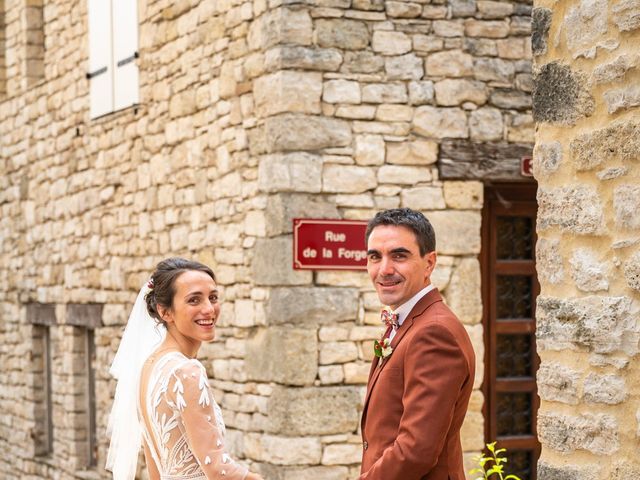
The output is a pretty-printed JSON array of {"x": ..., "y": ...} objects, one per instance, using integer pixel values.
[{"x": 178, "y": 363}]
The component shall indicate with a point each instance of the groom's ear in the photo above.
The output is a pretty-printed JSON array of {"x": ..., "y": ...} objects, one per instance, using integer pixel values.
[{"x": 430, "y": 263}]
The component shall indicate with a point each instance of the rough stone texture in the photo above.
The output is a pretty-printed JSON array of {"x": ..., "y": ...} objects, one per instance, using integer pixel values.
[
  {"x": 585, "y": 23},
  {"x": 271, "y": 263},
  {"x": 268, "y": 348},
  {"x": 307, "y": 58},
  {"x": 589, "y": 274},
  {"x": 566, "y": 472},
  {"x": 384, "y": 93},
  {"x": 440, "y": 123},
  {"x": 609, "y": 72},
  {"x": 618, "y": 141},
  {"x": 559, "y": 95},
  {"x": 607, "y": 389},
  {"x": 369, "y": 150},
  {"x": 283, "y": 450},
  {"x": 321, "y": 305},
  {"x": 344, "y": 34},
  {"x": 287, "y": 91},
  {"x": 452, "y": 92},
  {"x": 296, "y": 410},
  {"x": 463, "y": 292},
  {"x": 558, "y": 383},
  {"x": 595, "y": 433},
  {"x": 301, "y": 172},
  {"x": 598, "y": 324},
  {"x": 466, "y": 224},
  {"x": 574, "y": 209},
  {"x": 549, "y": 261},
  {"x": 622, "y": 98},
  {"x": 390, "y": 43},
  {"x": 301, "y": 132},
  {"x": 485, "y": 125},
  {"x": 626, "y": 203},
  {"x": 418, "y": 152},
  {"x": 341, "y": 91},
  {"x": 281, "y": 209},
  {"x": 547, "y": 158},
  {"x": 453, "y": 63},
  {"x": 347, "y": 179},
  {"x": 404, "y": 67},
  {"x": 585, "y": 97},
  {"x": 420, "y": 93},
  {"x": 626, "y": 15},
  {"x": 541, "y": 22},
  {"x": 632, "y": 272},
  {"x": 423, "y": 198},
  {"x": 623, "y": 470},
  {"x": 464, "y": 195}
]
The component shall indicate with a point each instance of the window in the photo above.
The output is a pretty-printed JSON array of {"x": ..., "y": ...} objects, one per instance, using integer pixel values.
[
  {"x": 113, "y": 50},
  {"x": 42, "y": 318},
  {"x": 85, "y": 318}
]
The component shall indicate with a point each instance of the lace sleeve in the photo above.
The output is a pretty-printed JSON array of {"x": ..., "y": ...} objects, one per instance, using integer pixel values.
[{"x": 189, "y": 391}]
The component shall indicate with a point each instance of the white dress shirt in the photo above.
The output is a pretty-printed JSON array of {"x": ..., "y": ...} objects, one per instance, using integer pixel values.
[{"x": 404, "y": 309}]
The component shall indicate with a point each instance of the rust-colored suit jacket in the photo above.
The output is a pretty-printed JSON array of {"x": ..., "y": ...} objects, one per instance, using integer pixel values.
[{"x": 417, "y": 398}]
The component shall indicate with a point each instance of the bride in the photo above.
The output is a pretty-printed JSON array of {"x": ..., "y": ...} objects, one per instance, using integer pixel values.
[{"x": 163, "y": 399}]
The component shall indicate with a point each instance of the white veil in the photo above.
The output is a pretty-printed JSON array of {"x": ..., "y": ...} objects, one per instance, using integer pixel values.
[{"x": 141, "y": 337}]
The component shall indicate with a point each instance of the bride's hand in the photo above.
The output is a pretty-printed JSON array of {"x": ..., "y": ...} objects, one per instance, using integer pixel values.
[{"x": 253, "y": 476}]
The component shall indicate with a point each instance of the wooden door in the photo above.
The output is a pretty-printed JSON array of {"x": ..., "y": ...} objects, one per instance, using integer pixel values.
[{"x": 510, "y": 288}]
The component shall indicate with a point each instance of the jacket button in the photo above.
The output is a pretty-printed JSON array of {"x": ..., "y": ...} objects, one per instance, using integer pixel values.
[{"x": 365, "y": 445}]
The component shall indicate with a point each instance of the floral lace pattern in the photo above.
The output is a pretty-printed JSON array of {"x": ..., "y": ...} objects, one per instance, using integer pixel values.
[{"x": 183, "y": 425}]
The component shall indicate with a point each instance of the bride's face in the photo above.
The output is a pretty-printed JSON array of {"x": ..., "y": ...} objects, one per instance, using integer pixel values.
[{"x": 195, "y": 306}]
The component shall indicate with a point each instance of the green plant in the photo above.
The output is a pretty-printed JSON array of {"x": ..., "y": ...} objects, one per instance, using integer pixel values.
[{"x": 491, "y": 466}]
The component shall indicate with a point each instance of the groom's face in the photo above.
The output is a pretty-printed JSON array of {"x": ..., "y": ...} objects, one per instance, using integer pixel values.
[{"x": 395, "y": 265}]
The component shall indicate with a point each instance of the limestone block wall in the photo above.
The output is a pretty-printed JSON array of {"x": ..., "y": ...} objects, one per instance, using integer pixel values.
[
  {"x": 252, "y": 113},
  {"x": 586, "y": 163}
]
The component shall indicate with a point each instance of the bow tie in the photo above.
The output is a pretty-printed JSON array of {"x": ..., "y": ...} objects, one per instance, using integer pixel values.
[{"x": 389, "y": 318}]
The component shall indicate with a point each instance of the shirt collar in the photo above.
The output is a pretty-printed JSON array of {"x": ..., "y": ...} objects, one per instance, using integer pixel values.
[{"x": 404, "y": 309}]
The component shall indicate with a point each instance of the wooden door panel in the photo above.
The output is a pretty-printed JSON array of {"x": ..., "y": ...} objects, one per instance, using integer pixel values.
[{"x": 510, "y": 288}]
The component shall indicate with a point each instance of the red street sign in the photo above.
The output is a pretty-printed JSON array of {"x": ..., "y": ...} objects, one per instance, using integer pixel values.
[
  {"x": 329, "y": 244},
  {"x": 526, "y": 167}
]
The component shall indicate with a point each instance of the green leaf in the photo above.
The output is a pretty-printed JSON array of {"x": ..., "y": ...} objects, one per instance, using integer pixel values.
[
  {"x": 491, "y": 446},
  {"x": 512, "y": 477}
]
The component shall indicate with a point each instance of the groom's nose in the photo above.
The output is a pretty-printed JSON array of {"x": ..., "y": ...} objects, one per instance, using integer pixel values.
[{"x": 386, "y": 266}]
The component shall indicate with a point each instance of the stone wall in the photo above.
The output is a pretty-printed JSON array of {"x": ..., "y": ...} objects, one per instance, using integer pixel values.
[
  {"x": 252, "y": 113},
  {"x": 586, "y": 163}
]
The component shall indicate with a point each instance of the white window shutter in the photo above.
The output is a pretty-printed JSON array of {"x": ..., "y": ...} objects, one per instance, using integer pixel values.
[
  {"x": 100, "y": 58},
  {"x": 125, "y": 53}
]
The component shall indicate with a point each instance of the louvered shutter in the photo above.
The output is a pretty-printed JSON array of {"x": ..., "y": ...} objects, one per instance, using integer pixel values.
[
  {"x": 125, "y": 53},
  {"x": 100, "y": 58}
]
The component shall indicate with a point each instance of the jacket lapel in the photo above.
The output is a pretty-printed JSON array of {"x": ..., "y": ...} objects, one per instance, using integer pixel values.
[{"x": 376, "y": 367}]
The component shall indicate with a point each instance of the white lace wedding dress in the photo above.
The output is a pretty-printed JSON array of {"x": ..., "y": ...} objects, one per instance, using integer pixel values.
[{"x": 183, "y": 426}]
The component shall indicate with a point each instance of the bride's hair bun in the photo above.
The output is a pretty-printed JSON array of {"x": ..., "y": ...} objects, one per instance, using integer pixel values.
[{"x": 162, "y": 283}]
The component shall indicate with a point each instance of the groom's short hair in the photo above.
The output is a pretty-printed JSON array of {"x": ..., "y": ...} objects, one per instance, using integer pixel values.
[{"x": 413, "y": 220}]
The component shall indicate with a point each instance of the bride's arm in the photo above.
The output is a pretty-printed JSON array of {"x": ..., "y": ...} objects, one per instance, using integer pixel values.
[
  {"x": 188, "y": 389},
  {"x": 154, "y": 474}
]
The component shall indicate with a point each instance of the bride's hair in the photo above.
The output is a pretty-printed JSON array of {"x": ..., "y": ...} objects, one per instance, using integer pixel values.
[{"x": 162, "y": 283}]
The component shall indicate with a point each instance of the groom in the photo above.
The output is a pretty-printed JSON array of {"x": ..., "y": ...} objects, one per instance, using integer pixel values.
[{"x": 422, "y": 375}]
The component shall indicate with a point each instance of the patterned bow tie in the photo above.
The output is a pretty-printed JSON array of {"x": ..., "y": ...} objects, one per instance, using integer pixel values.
[{"x": 389, "y": 318}]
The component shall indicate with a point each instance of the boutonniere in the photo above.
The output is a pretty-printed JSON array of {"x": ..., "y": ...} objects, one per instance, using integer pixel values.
[{"x": 382, "y": 348}]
